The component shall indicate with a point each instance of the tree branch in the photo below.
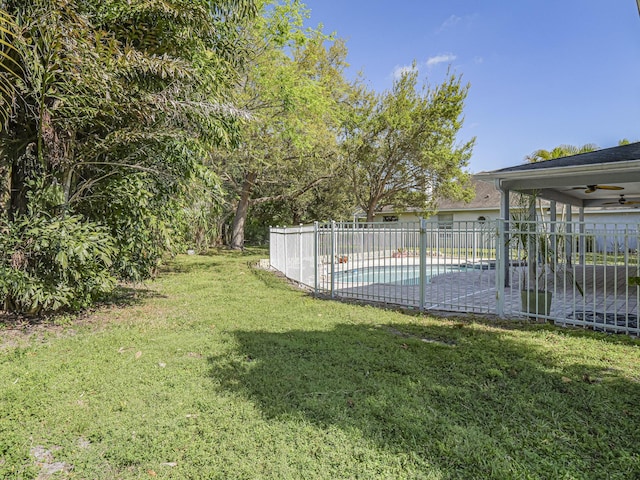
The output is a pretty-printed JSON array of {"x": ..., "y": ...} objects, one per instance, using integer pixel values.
[{"x": 284, "y": 196}]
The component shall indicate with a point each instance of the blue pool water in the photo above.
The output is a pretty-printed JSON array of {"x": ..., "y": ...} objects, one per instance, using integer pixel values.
[{"x": 392, "y": 274}]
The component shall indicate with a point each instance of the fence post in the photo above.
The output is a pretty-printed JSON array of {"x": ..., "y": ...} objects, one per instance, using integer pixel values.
[
  {"x": 315, "y": 258},
  {"x": 423, "y": 261},
  {"x": 271, "y": 244},
  {"x": 285, "y": 236},
  {"x": 501, "y": 267},
  {"x": 333, "y": 256},
  {"x": 300, "y": 279}
]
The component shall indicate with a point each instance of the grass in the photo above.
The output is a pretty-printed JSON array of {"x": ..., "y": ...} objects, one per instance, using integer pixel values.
[{"x": 222, "y": 371}]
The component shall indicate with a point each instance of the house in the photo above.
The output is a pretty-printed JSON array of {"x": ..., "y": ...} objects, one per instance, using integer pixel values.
[
  {"x": 573, "y": 259},
  {"x": 485, "y": 206}
]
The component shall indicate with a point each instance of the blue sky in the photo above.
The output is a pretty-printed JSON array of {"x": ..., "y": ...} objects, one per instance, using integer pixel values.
[{"x": 542, "y": 73}]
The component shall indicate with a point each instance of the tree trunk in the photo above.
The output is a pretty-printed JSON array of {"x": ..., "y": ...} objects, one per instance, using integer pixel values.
[
  {"x": 237, "y": 228},
  {"x": 17, "y": 190},
  {"x": 371, "y": 210}
]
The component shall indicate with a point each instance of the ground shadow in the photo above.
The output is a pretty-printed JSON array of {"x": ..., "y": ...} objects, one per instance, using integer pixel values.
[
  {"x": 474, "y": 403},
  {"x": 122, "y": 296},
  {"x": 129, "y": 295},
  {"x": 191, "y": 266}
]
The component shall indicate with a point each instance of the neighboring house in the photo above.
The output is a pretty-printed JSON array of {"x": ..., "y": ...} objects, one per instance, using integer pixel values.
[{"x": 485, "y": 206}]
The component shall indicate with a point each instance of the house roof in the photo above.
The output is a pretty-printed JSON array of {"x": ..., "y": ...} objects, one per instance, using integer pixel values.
[
  {"x": 486, "y": 197},
  {"x": 613, "y": 155},
  {"x": 566, "y": 179}
]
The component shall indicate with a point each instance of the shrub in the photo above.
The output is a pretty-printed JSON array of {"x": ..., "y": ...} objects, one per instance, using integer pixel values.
[
  {"x": 139, "y": 220},
  {"x": 50, "y": 264}
]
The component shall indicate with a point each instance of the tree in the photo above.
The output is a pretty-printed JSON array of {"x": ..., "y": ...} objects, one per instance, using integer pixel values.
[
  {"x": 111, "y": 91},
  {"x": 116, "y": 105},
  {"x": 292, "y": 89},
  {"x": 400, "y": 146},
  {"x": 559, "y": 152}
]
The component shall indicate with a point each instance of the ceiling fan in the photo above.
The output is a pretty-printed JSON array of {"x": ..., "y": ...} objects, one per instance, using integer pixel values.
[
  {"x": 593, "y": 188},
  {"x": 623, "y": 201}
]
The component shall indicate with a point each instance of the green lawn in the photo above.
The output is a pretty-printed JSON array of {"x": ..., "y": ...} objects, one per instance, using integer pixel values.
[{"x": 218, "y": 370}]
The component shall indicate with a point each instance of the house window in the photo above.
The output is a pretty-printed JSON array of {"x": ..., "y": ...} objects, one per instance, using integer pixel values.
[
  {"x": 445, "y": 221},
  {"x": 390, "y": 218}
]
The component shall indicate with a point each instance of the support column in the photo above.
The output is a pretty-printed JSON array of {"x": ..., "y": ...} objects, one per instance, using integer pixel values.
[
  {"x": 533, "y": 245},
  {"x": 503, "y": 239},
  {"x": 581, "y": 240},
  {"x": 553, "y": 217},
  {"x": 569, "y": 240}
]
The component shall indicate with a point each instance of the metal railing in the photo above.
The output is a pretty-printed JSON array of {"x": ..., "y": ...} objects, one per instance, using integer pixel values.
[
  {"x": 292, "y": 252},
  {"x": 573, "y": 273}
]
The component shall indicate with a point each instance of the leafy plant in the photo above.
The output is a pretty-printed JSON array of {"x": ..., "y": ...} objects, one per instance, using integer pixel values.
[
  {"x": 139, "y": 219},
  {"x": 48, "y": 264},
  {"x": 537, "y": 247}
]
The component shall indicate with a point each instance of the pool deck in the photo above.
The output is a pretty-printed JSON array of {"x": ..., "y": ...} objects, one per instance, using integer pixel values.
[{"x": 606, "y": 292}]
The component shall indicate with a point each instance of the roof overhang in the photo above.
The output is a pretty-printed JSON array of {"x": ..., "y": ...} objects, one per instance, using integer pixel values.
[{"x": 564, "y": 180}]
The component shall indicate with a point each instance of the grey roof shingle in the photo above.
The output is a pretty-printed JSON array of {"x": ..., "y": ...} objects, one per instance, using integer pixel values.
[
  {"x": 486, "y": 196},
  {"x": 620, "y": 153}
]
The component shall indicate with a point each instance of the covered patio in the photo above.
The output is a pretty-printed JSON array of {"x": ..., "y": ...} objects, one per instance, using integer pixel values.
[
  {"x": 590, "y": 269},
  {"x": 540, "y": 260}
]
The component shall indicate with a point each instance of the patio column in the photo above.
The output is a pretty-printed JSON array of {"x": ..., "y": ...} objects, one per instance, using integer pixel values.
[
  {"x": 581, "y": 240},
  {"x": 569, "y": 240},
  {"x": 504, "y": 239},
  {"x": 553, "y": 217},
  {"x": 533, "y": 247}
]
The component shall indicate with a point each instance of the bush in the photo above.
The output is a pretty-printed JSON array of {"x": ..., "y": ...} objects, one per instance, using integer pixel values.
[
  {"x": 140, "y": 221},
  {"x": 51, "y": 264}
]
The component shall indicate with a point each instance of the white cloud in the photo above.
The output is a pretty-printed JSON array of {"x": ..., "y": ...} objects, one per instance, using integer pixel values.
[
  {"x": 449, "y": 22},
  {"x": 445, "y": 58},
  {"x": 399, "y": 70}
]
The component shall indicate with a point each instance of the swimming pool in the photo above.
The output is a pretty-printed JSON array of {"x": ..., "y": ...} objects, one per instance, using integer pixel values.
[{"x": 394, "y": 274}]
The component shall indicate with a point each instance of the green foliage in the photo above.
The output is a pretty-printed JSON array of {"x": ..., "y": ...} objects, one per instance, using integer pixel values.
[
  {"x": 9, "y": 67},
  {"x": 561, "y": 151},
  {"x": 140, "y": 226},
  {"x": 115, "y": 106},
  {"x": 48, "y": 264},
  {"x": 401, "y": 146},
  {"x": 200, "y": 214},
  {"x": 293, "y": 87}
]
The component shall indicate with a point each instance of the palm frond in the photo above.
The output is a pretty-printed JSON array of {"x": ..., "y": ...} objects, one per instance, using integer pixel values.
[{"x": 9, "y": 67}]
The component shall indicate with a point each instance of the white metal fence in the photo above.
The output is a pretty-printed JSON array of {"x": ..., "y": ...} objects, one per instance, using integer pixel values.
[
  {"x": 578, "y": 273},
  {"x": 292, "y": 252},
  {"x": 409, "y": 264},
  {"x": 574, "y": 273}
]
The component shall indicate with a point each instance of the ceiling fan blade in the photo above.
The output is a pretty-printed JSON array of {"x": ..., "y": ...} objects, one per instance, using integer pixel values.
[
  {"x": 622, "y": 201},
  {"x": 608, "y": 187}
]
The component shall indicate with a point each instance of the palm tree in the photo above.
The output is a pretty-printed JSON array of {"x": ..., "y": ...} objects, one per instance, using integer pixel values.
[
  {"x": 8, "y": 65},
  {"x": 115, "y": 99},
  {"x": 559, "y": 152}
]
